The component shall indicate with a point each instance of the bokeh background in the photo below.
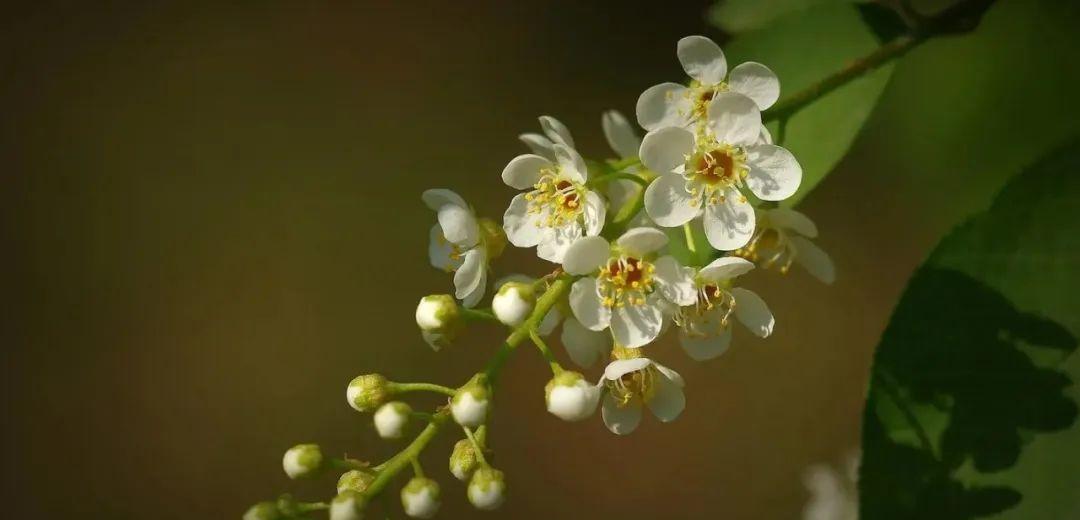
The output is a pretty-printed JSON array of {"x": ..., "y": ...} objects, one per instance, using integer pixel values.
[{"x": 212, "y": 218}]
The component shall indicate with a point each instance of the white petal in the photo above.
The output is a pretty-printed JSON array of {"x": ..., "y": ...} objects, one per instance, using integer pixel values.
[
  {"x": 665, "y": 149},
  {"x": 702, "y": 59},
  {"x": 550, "y": 321},
  {"x": 556, "y": 131},
  {"x": 675, "y": 282},
  {"x": 765, "y": 137},
  {"x": 523, "y": 171},
  {"x": 594, "y": 213},
  {"x": 586, "y": 254},
  {"x": 790, "y": 219},
  {"x": 668, "y": 203},
  {"x": 470, "y": 275},
  {"x": 571, "y": 163},
  {"x": 459, "y": 225},
  {"x": 474, "y": 297},
  {"x": 813, "y": 259},
  {"x": 439, "y": 251},
  {"x": 522, "y": 228},
  {"x": 666, "y": 104},
  {"x": 620, "y": 191},
  {"x": 583, "y": 345},
  {"x": 774, "y": 172},
  {"x": 752, "y": 312},
  {"x": 620, "y": 134},
  {"x": 672, "y": 375},
  {"x": 734, "y": 119},
  {"x": 729, "y": 225},
  {"x": 439, "y": 197},
  {"x": 641, "y": 241},
  {"x": 554, "y": 242},
  {"x": 634, "y": 326},
  {"x": 540, "y": 145},
  {"x": 620, "y": 420},
  {"x": 725, "y": 268},
  {"x": 668, "y": 401},
  {"x": 585, "y": 302},
  {"x": 707, "y": 347},
  {"x": 621, "y": 367},
  {"x": 756, "y": 82}
]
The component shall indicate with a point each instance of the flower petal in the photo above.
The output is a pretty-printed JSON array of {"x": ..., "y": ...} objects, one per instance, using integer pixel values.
[
  {"x": 636, "y": 325},
  {"x": 790, "y": 219},
  {"x": 523, "y": 171},
  {"x": 470, "y": 275},
  {"x": 554, "y": 242},
  {"x": 556, "y": 131},
  {"x": 756, "y": 82},
  {"x": 813, "y": 259},
  {"x": 439, "y": 251},
  {"x": 765, "y": 137},
  {"x": 752, "y": 312},
  {"x": 459, "y": 225},
  {"x": 675, "y": 282},
  {"x": 668, "y": 401},
  {"x": 670, "y": 374},
  {"x": 470, "y": 300},
  {"x": 702, "y": 59},
  {"x": 583, "y": 345},
  {"x": 621, "y": 367},
  {"x": 666, "y": 104},
  {"x": 668, "y": 203},
  {"x": 594, "y": 213},
  {"x": 774, "y": 172},
  {"x": 586, "y": 255},
  {"x": 522, "y": 228},
  {"x": 585, "y": 302},
  {"x": 621, "y": 420},
  {"x": 702, "y": 348},
  {"x": 440, "y": 197},
  {"x": 725, "y": 268},
  {"x": 540, "y": 145},
  {"x": 734, "y": 119},
  {"x": 620, "y": 134},
  {"x": 729, "y": 224},
  {"x": 571, "y": 163},
  {"x": 641, "y": 241},
  {"x": 664, "y": 150}
]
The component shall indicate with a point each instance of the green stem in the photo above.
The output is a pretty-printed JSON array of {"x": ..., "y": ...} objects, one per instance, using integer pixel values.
[
  {"x": 626, "y": 163},
  {"x": 608, "y": 177},
  {"x": 544, "y": 304},
  {"x": 478, "y": 447},
  {"x": 401, "y": 388},
  {"x": 477, "y": 314},
  {"x": 348, "y": 464},
  {"x": 389, "y": 469},
  {"x": 556, "y": 368},
  {"x": 691, "y": 245},
  {"x": 417, "y": 470}
]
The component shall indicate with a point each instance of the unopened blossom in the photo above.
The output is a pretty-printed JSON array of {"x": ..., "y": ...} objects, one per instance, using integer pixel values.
[
  {"x": 782, "y": 237},
  {"x": 570, "y": 397},
  {"x": 631, "y": 384},
  {"x": 420, "y": 498},
  {"x": 264, "y": 511},
  {"x": 367, "y": 392},
  {"x": 673, "y": 104},
  {"x": 513, "y": 302},
  {"x": 556, "y": 208},
  {"x": 462, "y": 244},
  {"x": 705, "y": 325},
  {"x": 487, "y": 488},
  {"x": 463, "y": 459},
  {"x": 707, "y": 173},
  {"x": 355, "y": 480},
  {"x": 302, "y": 461},
  {"x": 348, "y": 505},
  {"x": 391, "y": 419},
  {"x": 470, "y": 404},
  {"x": 625, "y": 285}
]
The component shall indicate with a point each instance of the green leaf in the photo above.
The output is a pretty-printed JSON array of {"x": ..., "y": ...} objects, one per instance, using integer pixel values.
[
  {"x": 972, "y": 410},
  {"x": 820, "y": 134}
]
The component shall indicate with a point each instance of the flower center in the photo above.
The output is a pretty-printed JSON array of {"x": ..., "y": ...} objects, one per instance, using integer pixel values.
[
  {"x": 625, "y": 280},
  {"x": 636, "y": 385},
  {"x": 695, "y": 319},
  {"x": 711, "y": 171},
  {"x": 700, "y": 97},
  {"x": 771, "y": 248},
  {"x": 556, "y": 197}
]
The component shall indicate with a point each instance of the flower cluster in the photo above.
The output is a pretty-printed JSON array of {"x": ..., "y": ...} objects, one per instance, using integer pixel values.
[{"x": 706, "y": 162}]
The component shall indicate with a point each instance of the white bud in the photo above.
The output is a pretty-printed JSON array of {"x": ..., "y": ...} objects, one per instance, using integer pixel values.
[
  {"x": 420, "y": 498},
  {"x": 513, "y": 303},
  {"x": 436, "y": 313},
  {"x": 470, "y": 404},
  {"x": 348, "y": 505},
  {"x": 487, "y": 489},
  {"x": 391, "y": 419},
  {"x": 263, "y": 511},
  {"x": 570, "y": 397},
  {"x": 355, "y": 480},
  {"x": 367, "y": 392},
  {"x": 302, "y": 461},
  {"x": 463, "y": 460}
]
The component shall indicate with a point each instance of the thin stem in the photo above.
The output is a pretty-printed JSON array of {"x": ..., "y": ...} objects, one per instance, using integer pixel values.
[
  {"x": 477, "y": 314},
  {"x": 348, "y": 464},
  {"x": 691, "y": 245},
  {"x": 308, "y": 507},
  {"x": 544, "y": 304},
  {"x": 389, "y": 469},
  {"x": 608, "y": 177},
  {"x": 477, "y": 446},
  {"x": 626, "y": 163},
  {"x": 417, "y": 470},
  {"x": 401, "y": 388},
  {"x": 546, "y": 352}
]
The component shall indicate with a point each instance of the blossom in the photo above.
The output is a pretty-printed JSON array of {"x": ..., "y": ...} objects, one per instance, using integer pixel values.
[
  {"x": 513, "y": 303},
  {"x": 391, "y": 419},
  {"x": 469, "y": 406},
  {"x": 672, "y": 104},
  {"x": 487, "y": 488},
  {"x": 704, "y": 173},
  {"x": 782, "y": 237},
  {"x": 636, "y": 382},
  {"x": 570, "y": 397},
  {"x": 558, "y": 207},
  {"x": 462, "y": 244},
  {"x": 420, "y": 497},
  {"x": 704, "y": 325},
  {"x": 302, "y": 461},
  {"x": 348, "y": 505},
  {"x": 625, "y": 289},
  {"x": 544, "y": 144}
]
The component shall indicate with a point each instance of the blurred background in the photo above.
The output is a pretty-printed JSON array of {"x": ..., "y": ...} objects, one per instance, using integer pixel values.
[{"x": 213, "y": 223}]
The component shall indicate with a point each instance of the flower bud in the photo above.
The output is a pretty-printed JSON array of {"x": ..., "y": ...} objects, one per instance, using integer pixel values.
[
  {"x": 437, "y": 313},
  {"x": 570, "y": 397},
  {"x": 513, "y": 303},
  {"x": 368, "y": 392},
  {"x": 391, "y": 419},
  {"x": 420, "y": 498},
  {"x": 487, "y": 489},
  {"x": 463, "y": 460},
  {"x": 302, "y": 461},
  {"x": 348, "y": 505},
  {"x": 355, "y": 480},
  {"x": 470, "y": 404},
  {"x": 263, "y": 511}
]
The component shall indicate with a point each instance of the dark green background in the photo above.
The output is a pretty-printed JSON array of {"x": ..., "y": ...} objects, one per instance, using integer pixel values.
[{"x": 212, "y": 220}]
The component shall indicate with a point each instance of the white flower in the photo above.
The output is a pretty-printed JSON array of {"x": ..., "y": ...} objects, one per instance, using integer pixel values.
[
  {"x": 782, "y": 237},
  {"x": 834, "y": 495},
  {"x": 391, "y": 419},
  {"x": 557, "y": 209},
  {"x": 584, "y": 346},
  {"x": 487, "y": 488},
  {"x": 704, "y": 174},
  {"x": 704, "y": 325},
  {"x": 624, "y": 287},
  {"x": 469, "y": 406},
  {"x": 672, "y": 104},
  {"x": 302, "y": 461},
  {"x": 544, "y": 144},
  {"x": 420, "y": 498},
  {"x": 570, "y": 397},
  {"x": 513, "y": 303},
  {"x": 462, "y": 244},
  {"x": 348, "y": 505},
  {"x": 633, "y": 383}
]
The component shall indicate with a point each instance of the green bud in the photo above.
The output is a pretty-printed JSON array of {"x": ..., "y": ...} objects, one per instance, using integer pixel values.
[
  {"x": 263, "y": 511},
  {"x": 513, "y": 303},
  {"x": 437, "y": 313},
  {"x": 463, "y": 460},
  {"x": 355, "y": 480},
  {"x": 420, "y": 498},
  {"x": 391, "y": 419},
  {"x": 470, "y": 404},
  {"x": 487, "y": 488},
  {"x": 348, "y": 505},
  {"x": 368, "y": 392},
  {"x": 302, "y": 460}
]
